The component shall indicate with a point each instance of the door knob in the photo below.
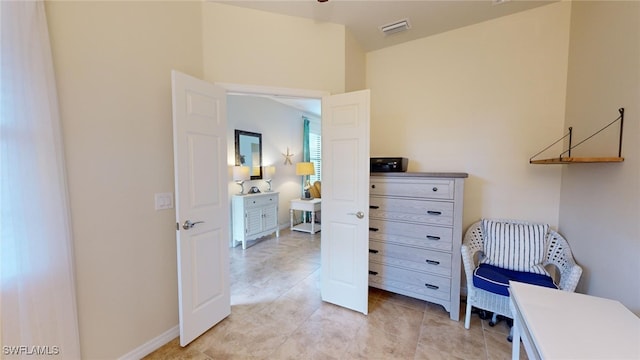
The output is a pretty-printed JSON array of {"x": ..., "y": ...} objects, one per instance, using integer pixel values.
[
  {"x": 188, "y": 224},
  {"x": 358, "y": 214}
]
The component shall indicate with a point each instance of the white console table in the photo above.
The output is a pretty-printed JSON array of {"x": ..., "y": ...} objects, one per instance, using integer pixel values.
[
  {"x": 254, "y": 216},
  {"x": 555, "y": 324},
  {"x": 311, "y": 206}
]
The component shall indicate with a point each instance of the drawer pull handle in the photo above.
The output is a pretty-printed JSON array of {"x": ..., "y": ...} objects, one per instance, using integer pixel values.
[
  {"x": 431, "y": 212},
  {"x": 373, "y": 186},
  {"x": 435, "y": 188},
  {"x": 373, "y": 229},
  {"x": 374, "y": 207},
  {"x": 373, "y": 272},
  {"x": 431, "y": 237},
  {"x": 432, "y": 287},
  {"x": 373, "y": 251},
  {"x": 432, "y": 262}
]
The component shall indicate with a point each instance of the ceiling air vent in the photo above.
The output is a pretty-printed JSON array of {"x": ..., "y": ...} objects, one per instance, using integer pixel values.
[{"x": 395, "y": 27}]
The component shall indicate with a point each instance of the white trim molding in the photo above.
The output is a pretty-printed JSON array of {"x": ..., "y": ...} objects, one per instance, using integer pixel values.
[
  {"x": 152, "y": 345},
  {"x": 270, "y": 90}
]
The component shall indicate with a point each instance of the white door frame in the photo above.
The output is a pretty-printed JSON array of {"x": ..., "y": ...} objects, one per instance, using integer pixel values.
[
  {"x": 244, "y": 89},
  {"x": 270, "y": 90}
]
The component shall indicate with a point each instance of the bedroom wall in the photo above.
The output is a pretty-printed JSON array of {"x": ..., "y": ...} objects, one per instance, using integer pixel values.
[
  {"x": 246, "y": 46},
  {"x": 355, "y": 64},
  {"x": 481, "y": 99},
  {"x": 112, "y": 61},
  {"x": 600, "y": 203}
]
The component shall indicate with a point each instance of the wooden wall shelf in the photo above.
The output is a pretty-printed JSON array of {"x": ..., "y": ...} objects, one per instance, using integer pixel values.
[
  {"x": 576, "y": 160},
  {"x": 584, "y": 160}
]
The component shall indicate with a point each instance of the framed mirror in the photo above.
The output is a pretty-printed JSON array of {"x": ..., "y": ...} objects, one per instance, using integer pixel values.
[{"x": 249, "y": 152}]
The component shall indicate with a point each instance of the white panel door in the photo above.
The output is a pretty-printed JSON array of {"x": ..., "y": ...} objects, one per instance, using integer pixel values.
[
  {"x": 202, "y": 205},
  {"x": 345, "y": 200}
]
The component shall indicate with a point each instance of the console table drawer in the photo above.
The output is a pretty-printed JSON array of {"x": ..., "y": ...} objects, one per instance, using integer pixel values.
[
  {"x": 411, "y": 258},
  {"x": 418, "y": 211},
  {"x": 413, "y": 188},
  {"x": 253, "y": 201},
  {"x": 385, "y": 276}
]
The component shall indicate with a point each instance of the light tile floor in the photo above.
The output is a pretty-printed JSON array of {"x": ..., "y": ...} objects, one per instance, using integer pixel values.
[{"x": 277, "y": 313}]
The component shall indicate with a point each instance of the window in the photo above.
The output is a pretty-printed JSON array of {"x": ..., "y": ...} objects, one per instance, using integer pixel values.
[{"x": 315, "y": 149}]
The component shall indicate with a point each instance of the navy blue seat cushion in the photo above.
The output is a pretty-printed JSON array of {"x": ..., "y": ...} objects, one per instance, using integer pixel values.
[{"x": 496, "y": 280}]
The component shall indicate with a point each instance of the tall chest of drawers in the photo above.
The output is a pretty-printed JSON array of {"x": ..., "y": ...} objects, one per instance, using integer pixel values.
[{"x": 415, "y": 234}]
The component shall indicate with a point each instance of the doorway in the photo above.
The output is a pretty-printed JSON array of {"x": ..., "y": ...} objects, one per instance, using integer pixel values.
[
  {"x": 280, "y": 122},
  {"x": 344, "y": 278},
  {"x": 344, "y": 250}
]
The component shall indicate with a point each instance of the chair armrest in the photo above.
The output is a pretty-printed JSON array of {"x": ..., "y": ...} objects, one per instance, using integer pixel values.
[
  {"x": 570, "y": 277},
  {"x": 559, "y": 255},
  {"x": 468, "y": 256}
]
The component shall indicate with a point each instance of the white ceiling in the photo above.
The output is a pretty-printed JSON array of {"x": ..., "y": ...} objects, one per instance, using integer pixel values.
[{"x": 363, "y": 18}]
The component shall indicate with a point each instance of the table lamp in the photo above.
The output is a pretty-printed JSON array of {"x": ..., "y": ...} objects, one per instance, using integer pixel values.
[
  {"x": 240, "y": 174},
  {"x": 269, "y": 171},
  {"x": 305, "y": 169}
]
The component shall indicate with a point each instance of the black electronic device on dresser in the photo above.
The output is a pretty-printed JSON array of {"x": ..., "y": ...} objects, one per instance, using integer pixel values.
[{"x": 388, "y": 164}]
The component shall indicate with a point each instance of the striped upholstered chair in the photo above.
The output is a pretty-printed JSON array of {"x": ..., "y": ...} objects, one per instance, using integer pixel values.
[{"x": 534, "y": 249}]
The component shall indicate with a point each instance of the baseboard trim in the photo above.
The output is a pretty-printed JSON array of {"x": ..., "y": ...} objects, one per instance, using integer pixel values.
[{"x": 152, "y": 345}]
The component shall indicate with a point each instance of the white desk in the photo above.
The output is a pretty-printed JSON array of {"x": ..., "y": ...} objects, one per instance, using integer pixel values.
[
  {"x": 305, "y": 205},
  {"x": 556, "y": 324}
]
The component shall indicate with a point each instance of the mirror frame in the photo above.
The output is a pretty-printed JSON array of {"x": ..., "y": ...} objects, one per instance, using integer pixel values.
[{"x": 238, "y": 134}]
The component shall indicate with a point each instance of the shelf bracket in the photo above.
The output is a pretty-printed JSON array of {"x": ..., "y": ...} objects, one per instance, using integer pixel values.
[{"x": 568, "y": 159}]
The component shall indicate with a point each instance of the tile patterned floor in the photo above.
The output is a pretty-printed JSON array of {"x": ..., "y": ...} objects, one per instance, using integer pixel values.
[{"x": 277, "y": 313}]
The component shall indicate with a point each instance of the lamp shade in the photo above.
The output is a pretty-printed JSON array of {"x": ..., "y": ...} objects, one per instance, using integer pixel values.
[
  {"x": 269, "y": 171},
  {"x": 305, "y": 168},
  {"x": 241, "y": 173}
]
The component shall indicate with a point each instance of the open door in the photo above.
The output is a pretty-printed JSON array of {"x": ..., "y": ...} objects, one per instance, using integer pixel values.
[
  {"x": 202, "y": 205},
  {"x": 345, "y": 200}
]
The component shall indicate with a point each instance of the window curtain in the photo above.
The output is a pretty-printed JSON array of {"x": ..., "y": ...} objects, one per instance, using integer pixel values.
[
  {"x": 37, "y": 299},
  {"x": 306, "y": 151}
]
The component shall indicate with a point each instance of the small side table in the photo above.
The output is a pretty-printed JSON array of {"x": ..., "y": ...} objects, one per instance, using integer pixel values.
[{"x": 305, "y": 205}]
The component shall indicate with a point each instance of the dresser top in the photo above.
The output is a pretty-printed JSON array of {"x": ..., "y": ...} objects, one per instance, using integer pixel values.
[
  {"x": 421, "y": 174},
  {"x": 246, "y": 195}
]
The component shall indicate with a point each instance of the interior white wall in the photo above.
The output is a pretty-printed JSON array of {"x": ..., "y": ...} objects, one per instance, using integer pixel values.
[
  {"x": 482, "y": 100},
  {"x": 600, "y": 203},
  {"x": 247, "y": 46},
  {"x": 355, "y": 64},
  {"x": 113, "y": 63},
  {"x": 281, "y": 127}
]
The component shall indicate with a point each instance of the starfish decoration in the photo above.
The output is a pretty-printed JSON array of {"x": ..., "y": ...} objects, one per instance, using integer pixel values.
[{"x": 287, "y": 158}]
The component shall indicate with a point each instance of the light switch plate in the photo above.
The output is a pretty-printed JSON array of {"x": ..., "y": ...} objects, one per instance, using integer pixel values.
[{"x": 164, "y": 201}]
